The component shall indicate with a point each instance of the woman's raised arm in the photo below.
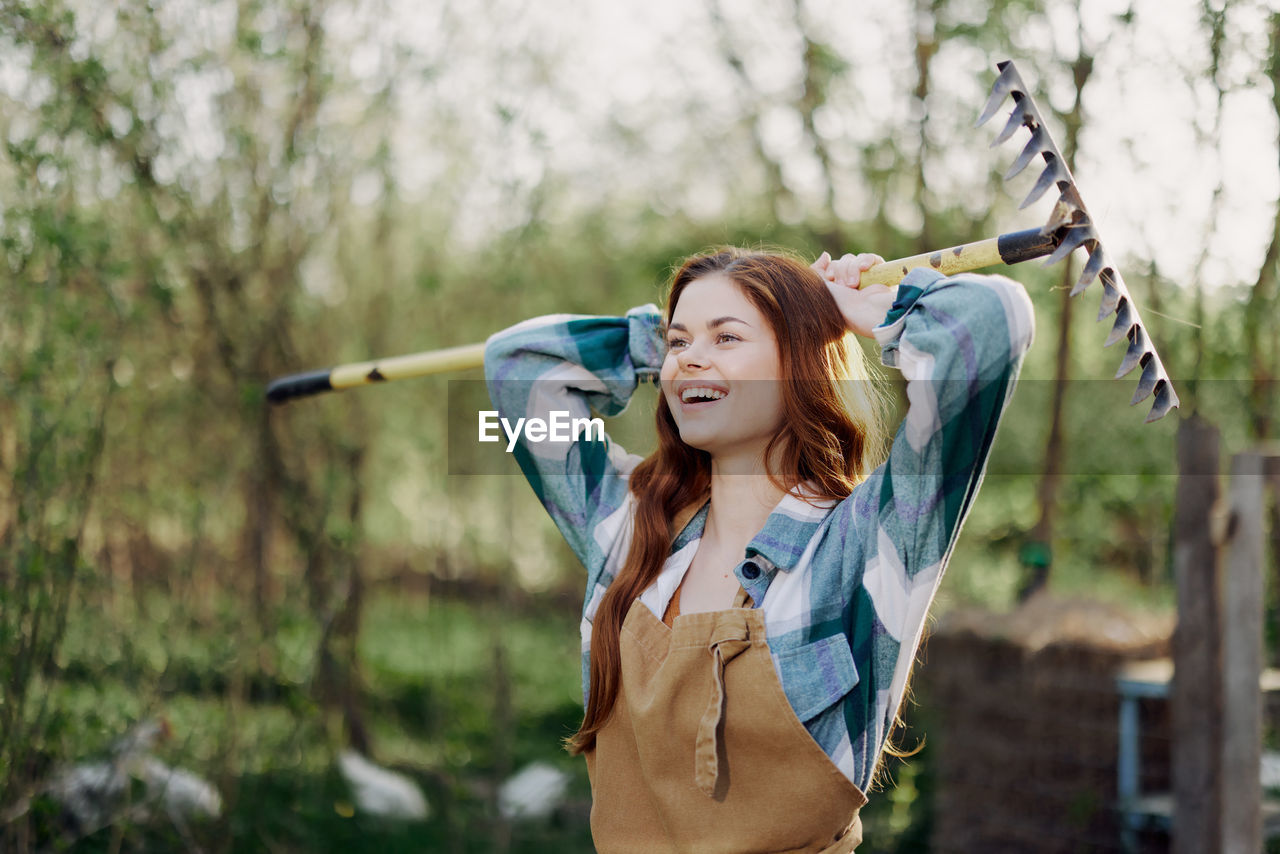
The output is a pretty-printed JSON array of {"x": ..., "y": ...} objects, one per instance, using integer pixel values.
[
  {"x": 570, "y": 367},
  {"x": 959, "y": 343}
]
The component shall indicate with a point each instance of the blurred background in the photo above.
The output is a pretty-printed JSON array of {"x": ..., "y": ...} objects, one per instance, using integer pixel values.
[{"x": 226, "y": 626}]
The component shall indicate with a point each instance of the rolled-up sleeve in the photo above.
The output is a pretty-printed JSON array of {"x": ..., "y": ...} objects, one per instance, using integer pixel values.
[
  {"x": 959, "y": 343},
  {"x": 576, "y": 367}
]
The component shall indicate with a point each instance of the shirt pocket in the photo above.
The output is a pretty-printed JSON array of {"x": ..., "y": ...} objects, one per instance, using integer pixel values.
[{"x": 816, "y": 675}]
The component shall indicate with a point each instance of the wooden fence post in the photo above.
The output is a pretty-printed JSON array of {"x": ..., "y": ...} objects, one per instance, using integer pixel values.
[
  {"x": 1242, "y": 660},
  {"x": 1196, "y": 693}
]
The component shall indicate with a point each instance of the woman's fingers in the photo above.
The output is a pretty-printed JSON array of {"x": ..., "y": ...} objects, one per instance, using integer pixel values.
[
  {"x": 846, "y": 270},
  {"x": 822, "y": 265}
]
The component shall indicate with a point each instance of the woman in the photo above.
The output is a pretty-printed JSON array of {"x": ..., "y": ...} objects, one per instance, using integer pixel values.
[{"x": 755, "y": 596}]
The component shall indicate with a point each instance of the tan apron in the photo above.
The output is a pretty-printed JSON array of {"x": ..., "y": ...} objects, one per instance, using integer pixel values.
[{"x": 703, "y": 753}]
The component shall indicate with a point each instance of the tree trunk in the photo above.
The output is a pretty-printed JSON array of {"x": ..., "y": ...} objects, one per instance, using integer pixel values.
[
  {"x": 1037, "y": 551},
  {"x": 926, "y": 47},
  {"x": 1196, "y": 694},
  {"x": 1036, "y": 555}
]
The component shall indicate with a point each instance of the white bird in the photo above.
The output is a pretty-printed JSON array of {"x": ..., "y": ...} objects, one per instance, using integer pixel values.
[
  {"x": 378, "y": 791},
  {"x": 182, "y": 794},
  {"x": 1270, "y": 772},
  {"x": 96, "y": 794},
  {"x": 533, "y": 792}
]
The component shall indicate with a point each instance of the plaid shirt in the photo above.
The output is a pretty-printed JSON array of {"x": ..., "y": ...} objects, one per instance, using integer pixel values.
[{"x": 845, "y": 586}]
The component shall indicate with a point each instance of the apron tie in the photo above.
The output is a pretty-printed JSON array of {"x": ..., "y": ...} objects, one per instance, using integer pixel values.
[{"x": 730, "y": 639}]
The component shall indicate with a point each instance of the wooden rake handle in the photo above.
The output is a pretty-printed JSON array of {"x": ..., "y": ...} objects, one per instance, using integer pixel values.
[
  {"x": 1006, "y": 249},
  {"x": 1011, "y": 248}
]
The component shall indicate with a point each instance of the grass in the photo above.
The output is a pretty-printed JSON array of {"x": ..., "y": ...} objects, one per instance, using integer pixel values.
[
  {"x": 242, "y": 717},
  {"x": 458, "y": 696}
]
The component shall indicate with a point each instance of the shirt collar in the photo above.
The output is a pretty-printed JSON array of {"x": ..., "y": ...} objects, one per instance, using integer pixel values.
[
  {"x": 690, "y": 522},
  {"x": 786, "y": 533},
  {"x": 790, "y": 527}
]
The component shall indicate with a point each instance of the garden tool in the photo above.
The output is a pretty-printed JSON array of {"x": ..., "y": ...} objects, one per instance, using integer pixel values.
[{"x": 1068, "y": 228}]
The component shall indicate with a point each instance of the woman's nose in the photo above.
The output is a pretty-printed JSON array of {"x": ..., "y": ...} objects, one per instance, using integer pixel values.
[{"x": 691, "y": 357}]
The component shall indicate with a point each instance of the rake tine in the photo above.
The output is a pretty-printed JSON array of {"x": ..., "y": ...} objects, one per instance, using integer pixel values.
[
  {"x": 1067, "y": 211},
  {"x": 1152, "y": 373},
  {"x": 1007, "y": 82},
  {"x": 1112, "y": 290},
  {"x": 1053, "y": 173},
  {"x": 1136, "y": 353},
  {"x": 1017, "y": 119},
  {"x": 1166, "y": 399},
  {"x": 1075, "y": 237},
  {"x": 1032, "y": 148},
  {"x": 1124, "y": 322},
  {"x": 993, "y": 104},
  {"x": 1096, "y": 264}
]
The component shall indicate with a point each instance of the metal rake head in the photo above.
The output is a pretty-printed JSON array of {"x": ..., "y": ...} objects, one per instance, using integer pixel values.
[{"x": 1072, "y": 226}]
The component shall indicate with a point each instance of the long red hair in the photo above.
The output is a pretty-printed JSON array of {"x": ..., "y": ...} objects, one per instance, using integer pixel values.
[{"x": 829, "y": 438}]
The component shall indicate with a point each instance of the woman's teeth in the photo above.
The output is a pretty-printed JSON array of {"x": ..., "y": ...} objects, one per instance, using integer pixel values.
[{"x": 692, "y": 394}]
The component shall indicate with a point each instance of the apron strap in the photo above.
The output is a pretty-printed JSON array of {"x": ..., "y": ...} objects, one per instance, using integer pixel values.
[{"x": 730, "y": 639}]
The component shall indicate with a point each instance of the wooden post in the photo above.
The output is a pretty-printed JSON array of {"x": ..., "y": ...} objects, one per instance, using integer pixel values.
[
  {"x": 1271, "y": 557},
  {"x": 1242, "y": 660},
  {"x": 1196, "y": 696}
]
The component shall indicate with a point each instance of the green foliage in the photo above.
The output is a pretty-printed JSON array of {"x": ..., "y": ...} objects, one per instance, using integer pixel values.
[{"x": 59, "y": 345}]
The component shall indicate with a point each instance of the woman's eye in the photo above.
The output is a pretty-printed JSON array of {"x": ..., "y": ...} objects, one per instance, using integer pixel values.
[{"x": 721, "y": 338}]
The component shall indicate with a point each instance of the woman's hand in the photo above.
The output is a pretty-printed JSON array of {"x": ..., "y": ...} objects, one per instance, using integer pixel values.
[{"x": 863, "y": 308}]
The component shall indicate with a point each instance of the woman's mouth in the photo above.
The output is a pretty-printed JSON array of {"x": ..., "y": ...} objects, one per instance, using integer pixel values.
[{"x": 693, "y": 394}]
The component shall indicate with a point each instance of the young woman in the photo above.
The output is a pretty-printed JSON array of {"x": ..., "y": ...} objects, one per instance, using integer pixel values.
[{"x": 755, "y": 593}]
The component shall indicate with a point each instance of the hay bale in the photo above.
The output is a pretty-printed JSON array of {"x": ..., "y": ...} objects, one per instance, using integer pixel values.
[
  {"x": 1026, "y": 734},
  {"x": 1046, "y": 620}
]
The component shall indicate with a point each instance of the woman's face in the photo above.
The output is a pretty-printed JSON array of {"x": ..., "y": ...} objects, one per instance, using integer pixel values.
[{"x": 721, "y": 377}]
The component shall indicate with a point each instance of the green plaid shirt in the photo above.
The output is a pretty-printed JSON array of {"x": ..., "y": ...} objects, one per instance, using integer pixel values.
[{"x": 844, "y": 586}]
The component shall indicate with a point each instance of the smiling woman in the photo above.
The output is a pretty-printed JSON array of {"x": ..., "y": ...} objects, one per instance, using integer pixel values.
[
  {"x": 755, "y": 591},
  {"x": 720, "y": 376}
]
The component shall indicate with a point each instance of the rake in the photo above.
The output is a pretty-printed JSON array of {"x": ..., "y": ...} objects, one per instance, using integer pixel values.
[{"x": 1068, "y": 228}]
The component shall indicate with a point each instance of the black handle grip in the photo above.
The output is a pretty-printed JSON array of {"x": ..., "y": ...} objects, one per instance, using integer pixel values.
[
  {"x": 1018, "y": 246},
  {"x": 299, "y": 385}
]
